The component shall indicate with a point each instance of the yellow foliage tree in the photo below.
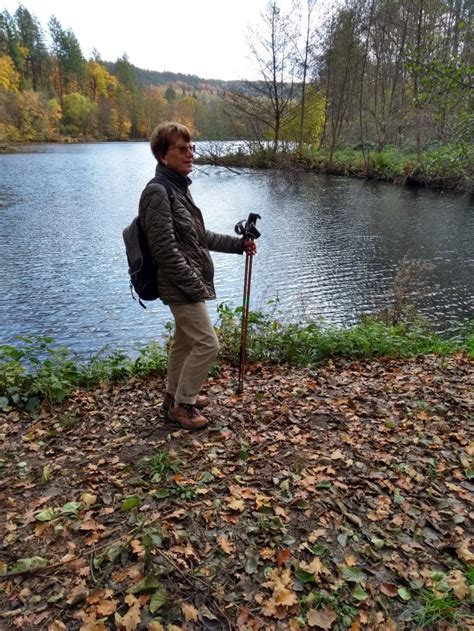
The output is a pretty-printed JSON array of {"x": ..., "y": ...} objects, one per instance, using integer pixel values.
[
  {"x": 186, "y": 112},
  {"x": 33, "y": 116},
  {"x": 155, "y": 105},
  {"x": 313, "y": 122},
  {"x": 100, "y": 83},
  {"x": 9, "y": 77}
]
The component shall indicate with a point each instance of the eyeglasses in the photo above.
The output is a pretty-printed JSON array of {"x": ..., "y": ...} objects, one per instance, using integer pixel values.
[{"x": 183, "y": 149}]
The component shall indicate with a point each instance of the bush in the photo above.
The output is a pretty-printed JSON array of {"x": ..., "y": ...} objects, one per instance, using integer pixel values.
[
  {"x": 305, "y": 344},
  {"x": 35, "y": 369}
]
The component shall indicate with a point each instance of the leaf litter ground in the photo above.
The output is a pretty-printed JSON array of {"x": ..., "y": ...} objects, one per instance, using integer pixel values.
[{"x": 332, "y": 498}]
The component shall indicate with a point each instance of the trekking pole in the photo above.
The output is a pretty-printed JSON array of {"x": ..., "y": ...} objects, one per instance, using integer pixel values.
[{"x": 248, "y": 230}]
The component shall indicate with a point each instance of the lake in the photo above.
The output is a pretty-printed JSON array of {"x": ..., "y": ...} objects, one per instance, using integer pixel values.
[{"x": 329, "y": 250}]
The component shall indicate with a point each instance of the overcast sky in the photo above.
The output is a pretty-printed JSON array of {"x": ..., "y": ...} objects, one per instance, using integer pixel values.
[{"x": 202, "y": 37}]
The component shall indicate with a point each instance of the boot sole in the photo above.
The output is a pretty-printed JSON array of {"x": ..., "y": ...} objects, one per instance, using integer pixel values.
[{"x": 169, "y": 419}]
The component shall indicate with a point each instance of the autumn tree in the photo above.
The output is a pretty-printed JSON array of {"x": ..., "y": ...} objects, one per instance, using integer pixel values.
[
  {"x": 69, "y": 63},
  {"x": 303, "y": 61},
  {"x": 265, "y": 103},
  {"x": 36, "y": 58},
  {"x": 130, "y": 96}
]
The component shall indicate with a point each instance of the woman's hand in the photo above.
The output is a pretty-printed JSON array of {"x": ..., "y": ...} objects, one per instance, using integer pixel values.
[{"x": 250, "y": 247}]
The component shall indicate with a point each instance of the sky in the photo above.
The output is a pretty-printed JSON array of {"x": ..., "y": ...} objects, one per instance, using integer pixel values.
[{"x": 201, "y": 37}]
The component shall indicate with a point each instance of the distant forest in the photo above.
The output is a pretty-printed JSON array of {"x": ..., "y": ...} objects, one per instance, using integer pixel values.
[{"x": 377, "y": 73}]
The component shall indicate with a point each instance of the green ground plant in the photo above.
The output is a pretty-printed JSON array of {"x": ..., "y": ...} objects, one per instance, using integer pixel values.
[
  {"x": 36, "y": 369},
  {"x": 439, "y": 166}
]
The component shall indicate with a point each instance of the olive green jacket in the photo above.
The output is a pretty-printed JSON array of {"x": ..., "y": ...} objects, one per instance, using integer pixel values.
[{"x": 179, "y": 242}]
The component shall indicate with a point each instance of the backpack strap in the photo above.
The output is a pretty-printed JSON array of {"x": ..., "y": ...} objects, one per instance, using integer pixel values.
[{"x": 160, "y": 179}]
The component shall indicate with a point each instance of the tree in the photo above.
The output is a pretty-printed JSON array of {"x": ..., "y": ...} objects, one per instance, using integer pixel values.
[
  {"x": 154, "y": 108},
  {"x": 9, "y": 76},
  {"x": 100, "y": 84},
  {"x": 186, "y": 113},
  {"x": 313, "y": 121},
  {"x": 303, "y": 61},
  {"x": 339, "y": 70},
  {"x": 70, "y": 68},
  {"x": 36, "y": 59},
  {"x": 266, "y": 102},
  {"x": 76, "y": 110},
  {"x": 131, "y": 96}
]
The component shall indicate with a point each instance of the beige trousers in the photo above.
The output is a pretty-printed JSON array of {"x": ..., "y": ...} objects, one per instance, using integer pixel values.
[{"x": 193, "y": 351}]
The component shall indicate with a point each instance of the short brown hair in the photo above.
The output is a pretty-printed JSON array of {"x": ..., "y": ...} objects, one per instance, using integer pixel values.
[{"x": 163, "y": 135}]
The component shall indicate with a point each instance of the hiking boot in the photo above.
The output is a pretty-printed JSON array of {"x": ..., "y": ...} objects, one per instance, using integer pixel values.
[
  {"x": 201, "y": 402},
  {"x": 187, "y": 416}
]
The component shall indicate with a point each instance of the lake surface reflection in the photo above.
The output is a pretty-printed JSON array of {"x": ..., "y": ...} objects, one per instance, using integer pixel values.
[{"x": 330, "y": 246}]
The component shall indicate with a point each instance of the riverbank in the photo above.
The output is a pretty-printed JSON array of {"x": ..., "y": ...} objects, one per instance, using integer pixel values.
[
  {"x": 442, "y": 168},
  {"x": 321, "y": 497}
]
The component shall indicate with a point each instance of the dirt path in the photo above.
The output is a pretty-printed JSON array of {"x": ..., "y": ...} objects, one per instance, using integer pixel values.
[{"x": 332, "y": 498}]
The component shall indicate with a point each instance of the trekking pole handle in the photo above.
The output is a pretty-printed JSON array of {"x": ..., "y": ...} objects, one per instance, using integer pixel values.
[{"x": 248, "y": 228}]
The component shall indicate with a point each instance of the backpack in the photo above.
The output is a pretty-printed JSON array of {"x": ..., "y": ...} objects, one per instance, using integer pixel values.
[{"x": 141, "y": 266}]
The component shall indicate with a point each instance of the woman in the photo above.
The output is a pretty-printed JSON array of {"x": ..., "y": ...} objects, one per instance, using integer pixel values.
[{"x": 180, "y": 244}]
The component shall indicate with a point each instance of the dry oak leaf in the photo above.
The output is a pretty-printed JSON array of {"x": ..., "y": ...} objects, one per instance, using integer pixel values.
[
  {"x": 155, "y": 626},
  {"x": 282, "y": 596},
  {"x": 106, "y": 607},
  {"x": 457, "y": 581},
  {"x": 99, "y": 595},
  {"x": 89, "y": 523},
  {"x": 137, "y": 547},
  {"x": 464, "y": 553},
  {"x": 321, "y": 618},
  {"x": 267, "y": 553},
  {"x": 132, "y": 618},
  {"x": 315, "y": 566},
  {"x": 190, "y": 612},
  {"x": 226, "y": 545},
  {"x": 77, "y": 593},
  {"x": 88, "y": 499},
  {"x": 57, "y": 625},
  {"x": 235, "y": 504}
]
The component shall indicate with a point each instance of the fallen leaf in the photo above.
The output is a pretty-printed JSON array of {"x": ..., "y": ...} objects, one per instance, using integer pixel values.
[
  {"x": 88, "y": 499},
  {"x": 190, "y": 612},
  {"x": 106, "y": 607},
  {"x": 237, "y": 505},
  {"x": 132, "y": 618},
  {"x": 457, "y": 581},
  {"x": 389, "y": 589},
  {"x": 57, "y": 625},
  {"x": 226, "y": 545},
  {"x": 267, "y": 553},
  {"x": 283, "y": 556},
  {"x": 321, "y": 618},
  {"x": 464, "y": 553}
]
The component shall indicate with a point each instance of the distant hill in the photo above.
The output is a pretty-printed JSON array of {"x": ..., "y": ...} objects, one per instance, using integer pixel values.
[{"x": 149, "y": 78}]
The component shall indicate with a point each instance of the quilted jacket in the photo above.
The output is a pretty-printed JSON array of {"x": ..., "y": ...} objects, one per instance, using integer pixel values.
[{"x": 179, "y": 242}]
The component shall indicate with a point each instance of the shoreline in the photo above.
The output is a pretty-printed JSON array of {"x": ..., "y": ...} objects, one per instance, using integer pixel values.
[{"x": 390, "y": 166}]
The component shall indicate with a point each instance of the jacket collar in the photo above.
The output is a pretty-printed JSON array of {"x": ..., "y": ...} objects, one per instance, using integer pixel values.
[{"x": 181, "y": 181}]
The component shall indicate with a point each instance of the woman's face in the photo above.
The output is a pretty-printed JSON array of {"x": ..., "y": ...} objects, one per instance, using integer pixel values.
[{"x": 179, "y": 156}]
